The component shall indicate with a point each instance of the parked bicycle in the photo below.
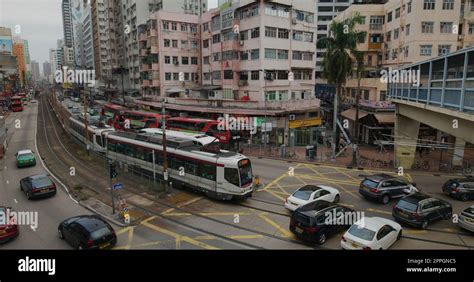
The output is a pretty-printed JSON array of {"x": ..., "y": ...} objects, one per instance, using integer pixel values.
[{"x": 425, "y": 165}]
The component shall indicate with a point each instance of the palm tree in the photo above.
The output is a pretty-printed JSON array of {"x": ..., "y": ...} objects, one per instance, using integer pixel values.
[
  {"x": 338, "y": 62},
  {"x": 359, "y": 71}
]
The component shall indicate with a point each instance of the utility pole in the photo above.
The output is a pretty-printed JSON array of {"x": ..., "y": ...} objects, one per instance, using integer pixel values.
[
  {"x": 113, "y": 176},
  {"x": 85, "y": 121},
  {"x": 165, "y": 158}
]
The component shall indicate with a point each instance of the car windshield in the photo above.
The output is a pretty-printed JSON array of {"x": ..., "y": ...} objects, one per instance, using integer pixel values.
[
  {"x": 303, "y": 194},
  {"x": 370, "y": 183},
  {"x": 362, "y": 232},
  {"x": 407, "y": 205},
  {"x": 25, "y": 156},
  {"x": 100, "y": 233},
  {"x": 42, "y": 182}
]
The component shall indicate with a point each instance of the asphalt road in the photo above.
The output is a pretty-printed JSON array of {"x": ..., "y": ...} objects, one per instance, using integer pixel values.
[{"x": 51, "y": 211}]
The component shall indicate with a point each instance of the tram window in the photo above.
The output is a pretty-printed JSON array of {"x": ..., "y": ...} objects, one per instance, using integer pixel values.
[
  {"x": 111, "y": 146},
  {"x": 190, "y": 168},
  {"x": 232, "y": 175},
  {"x": 158, "y": 158},
  {"x": 120, "y": 148},
  {"x": 176, "y": 163},
  {"x": 98, "y": 140},
  {"x": 207, "y": 171},
  {"x": 129, "y": 151},
  {"x": 149, "y": 156},
  {"x": 139, "y": 153}
]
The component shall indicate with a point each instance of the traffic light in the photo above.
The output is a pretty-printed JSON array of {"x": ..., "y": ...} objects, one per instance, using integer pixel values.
[{"x": 113, "y": 171}]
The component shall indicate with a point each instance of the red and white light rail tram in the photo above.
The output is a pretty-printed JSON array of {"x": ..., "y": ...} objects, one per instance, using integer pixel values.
[{"x": 219, "y": 174}]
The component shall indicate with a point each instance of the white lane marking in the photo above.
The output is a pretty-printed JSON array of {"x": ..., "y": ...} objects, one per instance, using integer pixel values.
[
  {"x": 16, "y": 202},
  {"x": 8, "y": 182},
  {"x": 5, "y": 167},
  {"x": 32, "y": 228}
]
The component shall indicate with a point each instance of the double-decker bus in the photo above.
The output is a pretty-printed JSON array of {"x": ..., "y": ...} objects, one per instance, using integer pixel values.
[
  {"x": 113, "y": 114},
  {"x": 141, "y": 119},
  {"x": 16, "y": 103},
  {"x": 208, "y": 126}
]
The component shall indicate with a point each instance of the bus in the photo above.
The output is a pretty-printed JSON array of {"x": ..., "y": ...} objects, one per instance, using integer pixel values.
[
  {"x": 198, "y": 138},
  {"x": 141, "y": 119},
  {"x": 113, "y": 113},
  {"x": 17, "y": 103},
  {"x": 208, "y": 126}
]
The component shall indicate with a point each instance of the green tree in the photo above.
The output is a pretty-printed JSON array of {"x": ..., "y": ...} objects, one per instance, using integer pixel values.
[{"x": 338, "y": 63}]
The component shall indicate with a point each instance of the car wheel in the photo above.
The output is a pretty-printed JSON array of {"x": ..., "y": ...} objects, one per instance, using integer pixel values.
[
  {"x": 322, "y": 239},
  {"x": 28, "y": 195},
  {"x": 464, "y": 197},
  {"x": 60, "y": 233},
  {"x": 399, "y": 236},
  {"x": 337, "y": 198},
  {"x": 424, "y": 225},
  {"x": 385, "y": 199}
]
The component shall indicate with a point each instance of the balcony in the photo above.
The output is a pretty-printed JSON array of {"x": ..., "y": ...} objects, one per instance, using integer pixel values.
[
  {"x": 145, "y": 83},
  {"x": 155, "y": 67}
]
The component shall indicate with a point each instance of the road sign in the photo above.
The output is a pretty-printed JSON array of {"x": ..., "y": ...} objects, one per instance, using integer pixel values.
[{"x": 117, "y": 186}]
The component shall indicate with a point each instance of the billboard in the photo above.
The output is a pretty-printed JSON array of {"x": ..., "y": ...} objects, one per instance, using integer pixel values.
[{"x": 6, "y": 45}]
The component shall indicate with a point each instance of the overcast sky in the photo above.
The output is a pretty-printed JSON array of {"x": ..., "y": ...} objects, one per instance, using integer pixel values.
[{"x": 40, "y": 22}]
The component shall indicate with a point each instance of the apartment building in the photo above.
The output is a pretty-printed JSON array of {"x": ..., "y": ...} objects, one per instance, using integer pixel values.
[
  {"x": 398, "y": 33},
  {"x": 35, "y": 71},
  {"x": 18, "y": 52},
  {"x": 169, "y": 55},
  {"x": 68, "y": 29},
  {"x": 46, "y": 70}
]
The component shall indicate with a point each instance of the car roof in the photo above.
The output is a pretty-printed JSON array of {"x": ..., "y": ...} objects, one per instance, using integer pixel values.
[
  {"x": 37, "y": 176},
  {"x": 21, "y": 152},
  {"x": 91, "y": 222},
  {"x": 314, "y": 208},
  {"x": 416, "y": 198},
  {"x": 310, "y": 187},
  {"x": 462, "y": 180},
  {"x": 372, "y": 223},
  {"x": 379, "y": 177}
]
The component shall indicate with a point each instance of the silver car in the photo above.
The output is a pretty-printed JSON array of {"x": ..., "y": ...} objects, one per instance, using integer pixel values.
[{"x": 466, "y": 219}]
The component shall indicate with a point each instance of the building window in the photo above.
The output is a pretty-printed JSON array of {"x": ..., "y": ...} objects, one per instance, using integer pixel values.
[
  {"x": 426, "y": 50},
  {"x": 255, "y": 54},
  {"x": 205, "y": 26},
  {"x": 255, "y": 75},
  {"x": 207, "y": 76},
  {"x": 194, "y": 60},
  {"x": 216, "y": 75},
  {"x": 176, "y": 76},
  {"x": 216, "y": 56},
  {"x": 194, "y": 44},
  {"x": 184, "y": 27},
  {"x": 244, "y": 75},
  {"x": 276, "y": 11},
  {"x": 448, "y": 4},
  {"x": 216, "y": 38},
  {"x": 184, "y": 44},
  {"x": 397, "y": 13},
  {"x": 282, "y": 75},
  {"x": 283, "y": 33},
  {"x": 409, "y": 7},
  {"x": 193, "y": 28},
  {"x": 396, "y": 33},
  {"x": 407, "y": 29},
  {"x": 185, "y": 60},
  {"x": 166, "y": 25},
  {"x": 167, "y": 60},
  {"x": 282, "y": 54},
  {"x": 205, "y": 60},
  {"x": 167, "y": 43},
  {"x": 446, "y": 27},
  {"x": 471, "y": 28},
  {"x": 174, "y": 43},
  {"x": 205, "y": 43},
  {"x": 244, "y": 55},
  {"x": 427, "y": 27},
  {"x": 383, "y": 95},
  {"x": 175, "y": 60},
  {"x": 444, "y": 50},
  {"x": 389, "y": 17},
  {"x": 186, "y": 76},
  {"x": 429, "y": 5},
  {"x": 270, "y": 32},
  {"x": 227, "y": 35},
  {"x": 255, "y": 32},
  {"x": 389, "y": 36},
  {"x": 270, "y": 53},
  {"x": 376, "y": 22},
  {"x": 168, "y": 76},
  {"x": 174, "y": 26},
  {"x": 227, "y": 20},
  {"x": 244, "y": 35},
  {"x": 228, "y": 74}
]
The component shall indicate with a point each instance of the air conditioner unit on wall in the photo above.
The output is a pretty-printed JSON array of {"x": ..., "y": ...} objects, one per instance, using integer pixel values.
[{"x": 291, "y": 117}]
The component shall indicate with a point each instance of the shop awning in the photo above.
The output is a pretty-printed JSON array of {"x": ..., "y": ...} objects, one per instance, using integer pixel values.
[
  {"x": 385, "y": 118},
  {"x": 351, "y": 113}
]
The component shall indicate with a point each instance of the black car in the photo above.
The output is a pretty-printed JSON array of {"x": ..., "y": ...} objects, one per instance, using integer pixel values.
[
  {"x": 316, "y": 221},
  {"x": 37, "y": 186},
  {"x": 87, "y": 232},
  {"x": 461, "y": 189},
  {"x": 384, "y": 187},
  {"x": 419, "y": 210}
]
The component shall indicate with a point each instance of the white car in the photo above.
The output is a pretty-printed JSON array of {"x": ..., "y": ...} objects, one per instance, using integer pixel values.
[
  {"x": 371, "y": 233},
  {"x": 311, "y": 193}
]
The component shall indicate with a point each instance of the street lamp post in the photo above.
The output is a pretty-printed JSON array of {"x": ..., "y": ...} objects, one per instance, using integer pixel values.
[{"x": 165, "y": 158}]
